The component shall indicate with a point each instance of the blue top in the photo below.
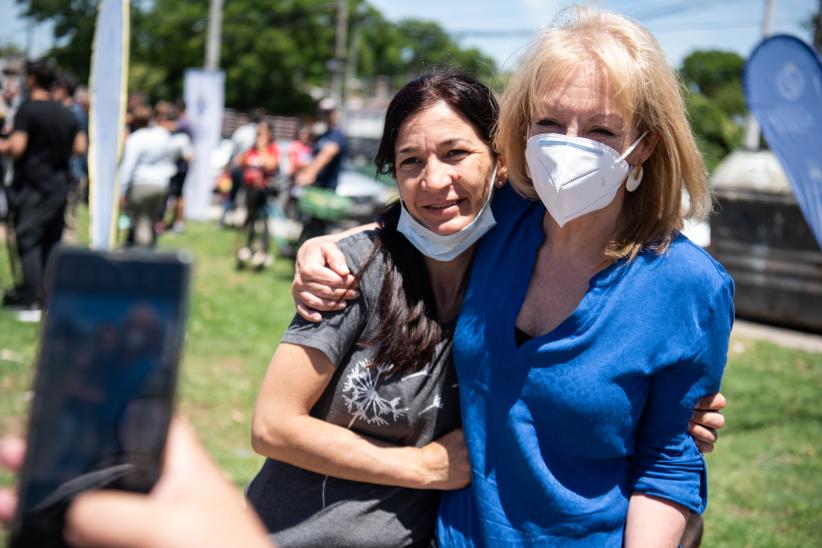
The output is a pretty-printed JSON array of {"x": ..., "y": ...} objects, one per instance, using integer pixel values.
[
  {"x": 330, "y": 173},
  {"x": 562, "y": 429}
]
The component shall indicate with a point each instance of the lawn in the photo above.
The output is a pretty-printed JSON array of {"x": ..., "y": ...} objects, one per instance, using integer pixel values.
[{"x": 765, "y": 476}]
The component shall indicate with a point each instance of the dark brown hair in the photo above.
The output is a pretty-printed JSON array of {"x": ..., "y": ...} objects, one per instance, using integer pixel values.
[
  {"x": 43, "y": 72},
  {"x": 141, "y": 116},
  {"x": 409, "y": 327}
]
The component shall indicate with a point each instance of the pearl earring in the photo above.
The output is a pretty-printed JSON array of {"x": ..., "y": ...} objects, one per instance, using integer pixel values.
[{"x": 634, "y": 178}]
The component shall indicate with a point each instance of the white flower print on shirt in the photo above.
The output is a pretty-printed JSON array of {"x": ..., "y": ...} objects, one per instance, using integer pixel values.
[
  {"x": 436, "y": 404},
  {"x": 362, "y": 398}
]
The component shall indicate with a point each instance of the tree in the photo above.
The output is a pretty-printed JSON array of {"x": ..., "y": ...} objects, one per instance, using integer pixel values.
[
  {"x": 73, "y": 30},
  {"x": 11, "y": 50},
  {"x": 715, "y": 101},
  {"x": 273, "y": 53},
  {"x": 410, "y": 47}
]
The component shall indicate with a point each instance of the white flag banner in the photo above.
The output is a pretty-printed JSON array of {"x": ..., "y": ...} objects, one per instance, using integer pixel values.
[
  {"x": 109, "y": 70},
  {"x": 204, "y": 96}
]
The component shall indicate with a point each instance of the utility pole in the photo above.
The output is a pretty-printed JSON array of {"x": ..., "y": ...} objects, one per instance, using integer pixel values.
[
  {"x": 351, "y": 64},
  {"x": 752, "y": 126},
  {"x": 215, "y": 30},
  {"x": 338, "y": 66},
  {"x": 29, "y": 39}
]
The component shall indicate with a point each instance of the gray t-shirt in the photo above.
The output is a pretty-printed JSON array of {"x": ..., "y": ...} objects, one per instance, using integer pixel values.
[{"x": 303, "y": 508}]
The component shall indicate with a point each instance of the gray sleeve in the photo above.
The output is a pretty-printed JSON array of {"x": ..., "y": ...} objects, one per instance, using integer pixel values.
[{"x": 340, "y": 330}]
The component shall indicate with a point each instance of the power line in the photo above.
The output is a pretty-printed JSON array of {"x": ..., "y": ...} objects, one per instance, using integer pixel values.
[{"x": 678, "y": 27}]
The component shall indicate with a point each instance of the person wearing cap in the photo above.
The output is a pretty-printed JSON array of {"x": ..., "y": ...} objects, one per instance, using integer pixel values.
[{"x": 329, "y": 150}]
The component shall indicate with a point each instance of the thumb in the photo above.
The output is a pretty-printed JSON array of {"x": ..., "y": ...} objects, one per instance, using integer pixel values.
[
  {"x": 109, "y": 518},
  {"x": 335, "y": 260}
]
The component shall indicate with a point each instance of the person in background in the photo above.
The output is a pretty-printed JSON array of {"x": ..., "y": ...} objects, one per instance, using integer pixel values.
[
  {"x": 182, "y": 131},
  {"x": 259, "y": 164},
  {"x": 44, "y": 137},
  {"x": 329, "y": 151},
  {"x": 11, "y": 97},
  {"x": 135, "y": 99},
  {"x": 63, "y": 91},
  {"x": 299, "y": 152},
  {"x": 242, "y": 140},
  {"x": 149, "y": 161},
  {"x": 9, "y": 103},
  {"x": 81, "y": 98}
]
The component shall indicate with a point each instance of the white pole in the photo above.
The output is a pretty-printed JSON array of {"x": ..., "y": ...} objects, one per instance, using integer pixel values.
[
  {"x": 752, "y": 127},
  {"x": 339, "y": 52},
  {"x": 215, "y": 23}
]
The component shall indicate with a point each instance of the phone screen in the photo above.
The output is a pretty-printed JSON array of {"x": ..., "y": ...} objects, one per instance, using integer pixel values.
[{"x": 105, "y": 383}]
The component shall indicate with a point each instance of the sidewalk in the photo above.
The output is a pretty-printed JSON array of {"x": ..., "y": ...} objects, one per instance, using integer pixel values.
[{"x": 788, "y": 338}]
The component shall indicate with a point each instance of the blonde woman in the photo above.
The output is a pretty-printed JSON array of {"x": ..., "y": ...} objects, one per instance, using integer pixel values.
[{"x": 591, "y": 326}]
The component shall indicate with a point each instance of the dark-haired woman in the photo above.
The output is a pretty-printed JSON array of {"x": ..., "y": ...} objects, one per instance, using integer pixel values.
[{"x": 359, "y": 413}]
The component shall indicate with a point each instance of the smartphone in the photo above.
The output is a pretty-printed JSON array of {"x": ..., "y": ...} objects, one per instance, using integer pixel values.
[{"x": 110, "y": 346}]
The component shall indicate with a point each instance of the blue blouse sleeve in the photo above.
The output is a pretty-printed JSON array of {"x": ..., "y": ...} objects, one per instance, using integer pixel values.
[{"x": 667, "y": 463}]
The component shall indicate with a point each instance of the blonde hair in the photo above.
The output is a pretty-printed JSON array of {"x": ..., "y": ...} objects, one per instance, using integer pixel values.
[{"x": 645, "y": 88}]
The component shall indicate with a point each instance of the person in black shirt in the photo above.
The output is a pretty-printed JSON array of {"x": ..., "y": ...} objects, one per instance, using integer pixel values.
[{"x": 44, "y": 137}]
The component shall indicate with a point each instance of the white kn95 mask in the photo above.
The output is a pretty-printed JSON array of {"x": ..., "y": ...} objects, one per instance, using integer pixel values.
[{"x": 574, "y": 176}]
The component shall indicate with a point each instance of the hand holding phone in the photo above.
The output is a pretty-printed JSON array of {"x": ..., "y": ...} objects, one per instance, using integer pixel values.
[
  {"x": 107, "y": 368},
  {"x": 192, "y": 504}
]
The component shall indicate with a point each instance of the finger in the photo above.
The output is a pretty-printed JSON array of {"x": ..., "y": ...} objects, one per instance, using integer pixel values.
[
  {"x": 319, "y": 304},
  {"x": 704, "y": 447},
  {"x": 325, "y": 276},
  {"x": 12, "y": 452},
  {"x": 184, "y": 449},
  {"x": 328, "y": 277},
  {"x": 714, "y": 402},
  {"x": 333, "y": 293},
  {"x": 109, "y": 518},
  {"x": 335, "y": 260},
  {"x": 309, "y": 314},
  {"x": 708, "y": 419},
  {"x": 8, "y": 505},
  {"x": 700, "y": 433}
]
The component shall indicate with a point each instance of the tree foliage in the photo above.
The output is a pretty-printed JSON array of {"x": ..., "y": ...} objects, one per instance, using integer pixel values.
[
  {"x": 814, "y": 25},
  {"x": 715, "y": 101},
  {"x": 73, "y": 29},
  {"x": 273, "y": 53}
]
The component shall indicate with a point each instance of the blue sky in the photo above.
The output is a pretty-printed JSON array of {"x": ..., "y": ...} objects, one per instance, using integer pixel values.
[{"x": 501, "y": 28}]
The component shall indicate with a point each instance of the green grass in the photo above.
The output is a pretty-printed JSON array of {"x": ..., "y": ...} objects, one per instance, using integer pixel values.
[
  {"x": 765, "y": 476},
  {"x": 765, "y": 486},
  {"x": 236, "y": 319}
]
